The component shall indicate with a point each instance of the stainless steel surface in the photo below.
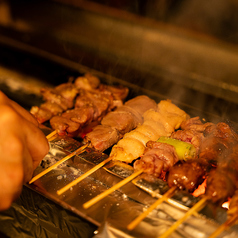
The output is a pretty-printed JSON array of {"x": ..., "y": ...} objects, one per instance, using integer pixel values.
[{"x": 119, "y": 208}]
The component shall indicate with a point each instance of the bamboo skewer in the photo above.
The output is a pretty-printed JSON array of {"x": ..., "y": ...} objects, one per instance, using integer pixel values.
[
  {"x": 198, "y": 206},
  {"x": 51, "y": 134},
  {"x": 112, "y": 189},
  {"x": 224, "y": 226},
  {"x": 86, "y": 174},
  {"x": 79, "y": 150},
  {"x": 167, "y": 195}
]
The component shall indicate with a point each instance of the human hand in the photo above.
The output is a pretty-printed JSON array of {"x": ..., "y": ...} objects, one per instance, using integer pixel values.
[{"x": 22, "y": 146}]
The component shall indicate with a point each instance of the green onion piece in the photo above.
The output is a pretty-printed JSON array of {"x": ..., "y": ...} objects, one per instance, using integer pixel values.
[{"x": 185, "y": 151}]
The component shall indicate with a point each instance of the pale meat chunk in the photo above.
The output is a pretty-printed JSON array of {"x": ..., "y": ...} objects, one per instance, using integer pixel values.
[
  {"x": 137, "y": 136},
  {"x": 87, "y": 82},
  {"x": 148, "y": 131},
  {"x": 141, "y": 104},
  {"x": 127, "y": 150},
  {"x": 172, "y": 114},
  {"x": 137, "y": 117},
  {"x": 158, "y": 127},
  {"x": 156, "y": 123},
  {"x": 154, "y": 116}
]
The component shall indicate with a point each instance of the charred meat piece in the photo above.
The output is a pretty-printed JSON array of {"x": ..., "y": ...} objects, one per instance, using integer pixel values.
[
  {"x": 62, "y": 97},
  {"x": 158, "y": 157},
  {"x": 223, "y": 181},
  {"x": 192, "y": 132},
  {"x": 119, "y": 92},
  {"x": 213, "y": 149},
  {"x": 87, "y": 82},
  {"x": 187, "y": 175},
  {"x": 220, "y": 185},
  {"x": 165, "y": 155},
  {"x": 189, "y": 136},
  {"x": 218, "y": 139},
  {"x": 46, "y": 111},
  {"x": 123, "y": 120},
  {"x": 70, "y": 122},
  {"x": 57, "y": 100},
  {"x": 100, "y": 100},
  {"x": 233, "y": 206},
  {"x": 157, "y": 123},
  {"x": 195, "y": 124},
  {"x": 103, "y": 137},
  {"x": 89, "y": 106}
]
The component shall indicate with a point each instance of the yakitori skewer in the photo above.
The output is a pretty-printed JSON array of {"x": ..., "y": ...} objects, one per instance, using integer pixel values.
[
  {"x": 167, "y": 195},
  {"x": 76, "y": 152},
  {"x": 224, "y": 226},
  {"x": 52, "y": 134},
  {"x": 232, "y": 216},
  {"x": 135, "y": 140},
  {"x": 74, "y": 182},
  {"x": 182, "y": 148},
  {"x": 190, "y": 170},
  {"x": 221, "y": 182},
  {"x": 62, "y": 97},
  {"x": 112, "y": 189},
  {"x": 132, "y": 110},
  {"x": 197, "y": 207}
]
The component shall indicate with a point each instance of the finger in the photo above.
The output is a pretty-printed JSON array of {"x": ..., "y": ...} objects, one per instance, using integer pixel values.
[
  {"x": 11, "y": 170},
  {"x": 23, "y": 112},
  {"x": 37, "y": 144},
  {"x": 27, "y": 164}
]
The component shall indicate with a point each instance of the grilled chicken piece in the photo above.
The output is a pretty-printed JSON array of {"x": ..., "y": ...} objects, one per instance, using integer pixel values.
[
  {"x": 223, "y": 181},
  {"x": 218, "y": 139},
  {"x": 57, "y": 100},
  {"x": 165, "y": 159},
  {"x": 62, "y": 96},
  {"x": 119, "y": 92},
  {"x": 159, "y": 122},
  {"x": 87, "y": 82},
  {"x": 188, "y": 175},
  {"x": 123, "y": 119},
  {"x": 90, "y": 106},
  {"x": 220, "y": 185},
  {"x": 195, "y": 124},
  {"x": 159, "y": 157},
  {"x": 103, "y": 137},
  {"x": 218, "y": 148},
  {"x": 233, "y": 206},
  {"x": 172, "y": 114}
]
